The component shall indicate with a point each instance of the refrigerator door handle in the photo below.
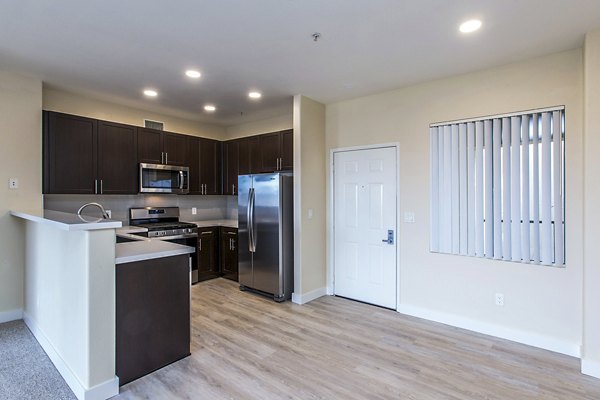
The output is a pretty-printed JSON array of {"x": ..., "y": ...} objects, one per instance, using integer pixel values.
[
  {"x": 251, "y": 221},
  {"x": 248, "y": 220}
]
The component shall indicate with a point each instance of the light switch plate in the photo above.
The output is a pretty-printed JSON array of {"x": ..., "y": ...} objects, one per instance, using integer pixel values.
[
  {"x": 409, "y": 217},
  {"x": 310, "y": 213},
  {"x": 13, "y": 183},
  {"x": 194, "y": 211}
]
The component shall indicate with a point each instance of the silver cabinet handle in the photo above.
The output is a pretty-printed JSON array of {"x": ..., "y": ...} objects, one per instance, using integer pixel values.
[
  {"x": 95, "y": 186},
  {"x": 101, "y": 189},
  {"x": 200, "y": 244},
  {"x": 206, "y": 233},
  {"x": 162, "y": 157},
  {"x": 232, "y": 189},
  {"x": 232, "y": 245},
  {"x": 166, "y": 158}
]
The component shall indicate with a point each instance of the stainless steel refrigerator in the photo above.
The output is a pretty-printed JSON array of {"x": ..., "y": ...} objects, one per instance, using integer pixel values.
[{"x": 266, "y": 234}]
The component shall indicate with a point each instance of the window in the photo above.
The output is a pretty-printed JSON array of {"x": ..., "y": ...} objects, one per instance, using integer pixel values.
[{"x": 497, "y": 187}]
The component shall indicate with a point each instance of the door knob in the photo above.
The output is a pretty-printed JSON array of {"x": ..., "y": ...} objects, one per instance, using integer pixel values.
[{"x": 390, "y": 237}]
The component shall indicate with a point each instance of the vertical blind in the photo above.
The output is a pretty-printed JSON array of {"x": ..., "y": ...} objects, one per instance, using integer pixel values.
[{"x": 497, "y": 187}]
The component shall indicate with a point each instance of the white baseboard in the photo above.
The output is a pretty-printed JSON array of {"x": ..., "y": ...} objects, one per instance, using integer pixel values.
[
  {"x": 528, "y": 338},
  {"x": 591, "y": 368},
  {"x": 11, "y": 315},
  {"x": 103, "y": 391},
  {"x": 310, "y": 296}
]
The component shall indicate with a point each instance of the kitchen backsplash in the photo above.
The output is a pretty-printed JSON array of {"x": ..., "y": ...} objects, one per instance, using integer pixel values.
[{"x": 208, "y": 207}]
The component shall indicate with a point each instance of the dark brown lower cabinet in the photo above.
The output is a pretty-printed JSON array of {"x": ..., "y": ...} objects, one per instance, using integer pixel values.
[
  {"x": 208, "y": 253},
  {"x": 153, "y": 315},
  {"x": 229, "y": 253}
]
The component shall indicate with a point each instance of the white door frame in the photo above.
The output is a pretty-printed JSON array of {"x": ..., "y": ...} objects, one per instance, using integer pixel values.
[{"x": 330, "y": 215}]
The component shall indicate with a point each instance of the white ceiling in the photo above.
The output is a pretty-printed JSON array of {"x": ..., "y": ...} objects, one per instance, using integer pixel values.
[{"x": 112, "y": 50}]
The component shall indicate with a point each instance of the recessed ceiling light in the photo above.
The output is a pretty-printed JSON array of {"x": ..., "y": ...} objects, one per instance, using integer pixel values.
[
  {"x": 209, "y": 108},
  {"x": 255, "y": 95},
  {"x": 193, "y": 73},
  {"x": 150, "y": 93},
  {"x": 470, "y": 26}
]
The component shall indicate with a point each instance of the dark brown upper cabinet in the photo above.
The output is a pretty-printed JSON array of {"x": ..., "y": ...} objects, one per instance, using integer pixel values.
[
  {"x": 194, "y": 159},
  {"x": 117, "y": 165},
  {"x": 287, "y": 150},
  {"x": 270, "y": 151},
  {"x": 69, "y": 154},
  {"x": 158, "y": 147},
  {"x": 175, "y": 147},
  {"x": 210, "y": 166},
  {"x": 277, "y": 151},
  {"x": 249, "y": 155},
  {"x": 205, "y": 165},
  {"x": 86, "y": 156},
  {"x": 231, "y": 151}
]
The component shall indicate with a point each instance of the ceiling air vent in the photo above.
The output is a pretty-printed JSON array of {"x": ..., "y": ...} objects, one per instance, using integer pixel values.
[{"x": 159, "y": 126}]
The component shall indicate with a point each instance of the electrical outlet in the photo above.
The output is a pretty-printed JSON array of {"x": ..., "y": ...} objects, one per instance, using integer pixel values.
[
  {"x": 194, "y": 211},
  {"x": 500, "y": 299},
  {"x": 13, "y": 183},
  {"x": 109, "y": 213}
]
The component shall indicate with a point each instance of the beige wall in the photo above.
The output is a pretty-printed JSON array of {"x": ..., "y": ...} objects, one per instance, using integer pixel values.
[
  {"x": 309, "y": 193},
  {"x": 70, "y": 103},
  {"x": 257, "y": 127},
  {"x": 591, "y": 299},
  {"x": 20, "y": 157},
  {"x": 543, "y": 305}
]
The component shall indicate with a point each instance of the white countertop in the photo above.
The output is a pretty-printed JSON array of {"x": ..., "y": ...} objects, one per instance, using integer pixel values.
[
  {"x": 147, "y": 250},
  {"x": 69, "y": 222}
]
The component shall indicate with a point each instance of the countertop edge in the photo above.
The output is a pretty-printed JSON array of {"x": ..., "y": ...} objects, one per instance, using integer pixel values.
[
  {"x": 67, "y": 226},
  {"x": 142, "y": 251}
]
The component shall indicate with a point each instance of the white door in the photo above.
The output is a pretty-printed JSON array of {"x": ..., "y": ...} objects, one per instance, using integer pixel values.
[{"x": 364, "y": 212}]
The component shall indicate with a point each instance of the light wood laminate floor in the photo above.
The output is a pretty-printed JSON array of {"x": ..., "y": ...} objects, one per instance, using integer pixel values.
[{"x": 248, "y": 347}]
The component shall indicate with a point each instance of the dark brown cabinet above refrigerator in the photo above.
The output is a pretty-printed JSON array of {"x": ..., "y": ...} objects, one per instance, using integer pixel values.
[
  {"x": 87, "y": 156},
  {"x": 276, "y": 151}
]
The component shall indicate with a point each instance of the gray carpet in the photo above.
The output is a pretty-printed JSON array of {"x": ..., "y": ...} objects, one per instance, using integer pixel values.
[{"x": 26, "y": 372}]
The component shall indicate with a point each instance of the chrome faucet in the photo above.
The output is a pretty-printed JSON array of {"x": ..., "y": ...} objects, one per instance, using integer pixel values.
[{"x": 104, "y": 213}]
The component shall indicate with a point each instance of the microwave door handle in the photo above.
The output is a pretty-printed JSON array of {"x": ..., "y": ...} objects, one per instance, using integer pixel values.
[{"x": 181, "y": 180}]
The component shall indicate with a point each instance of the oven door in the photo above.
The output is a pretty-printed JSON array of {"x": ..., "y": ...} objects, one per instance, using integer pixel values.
[
  {"x": 191, "y": 241},
  {"x": 158, "y": 178}
]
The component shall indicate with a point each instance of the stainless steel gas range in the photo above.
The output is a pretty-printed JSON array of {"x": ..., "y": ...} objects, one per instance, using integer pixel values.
[{"x": 163, "y": 223}]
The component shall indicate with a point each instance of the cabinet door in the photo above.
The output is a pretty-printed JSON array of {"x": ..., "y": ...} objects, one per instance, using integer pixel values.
[
  {"x": 175, "y": 148},
  {"x": 255, "y": 154},
  {"x": 287, "y": 150},
  {"x": 117, "y": 165},
  {"x": 244, "y": 156},
  {"x": 208, "y": 256},
  {"x": 69, "y": 154},
  {"x": 229, "y": 261},
  {"x": 194, "y": 164},
  {"x": 270, "y": 147},
  {"x": 210, "y": 166},
  {"x": 149, "y": 146},
  {"x": 230, "y": 166}
]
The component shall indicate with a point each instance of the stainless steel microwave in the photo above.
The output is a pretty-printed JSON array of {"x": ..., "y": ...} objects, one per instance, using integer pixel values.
[{"x": 159, "y": 178}]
